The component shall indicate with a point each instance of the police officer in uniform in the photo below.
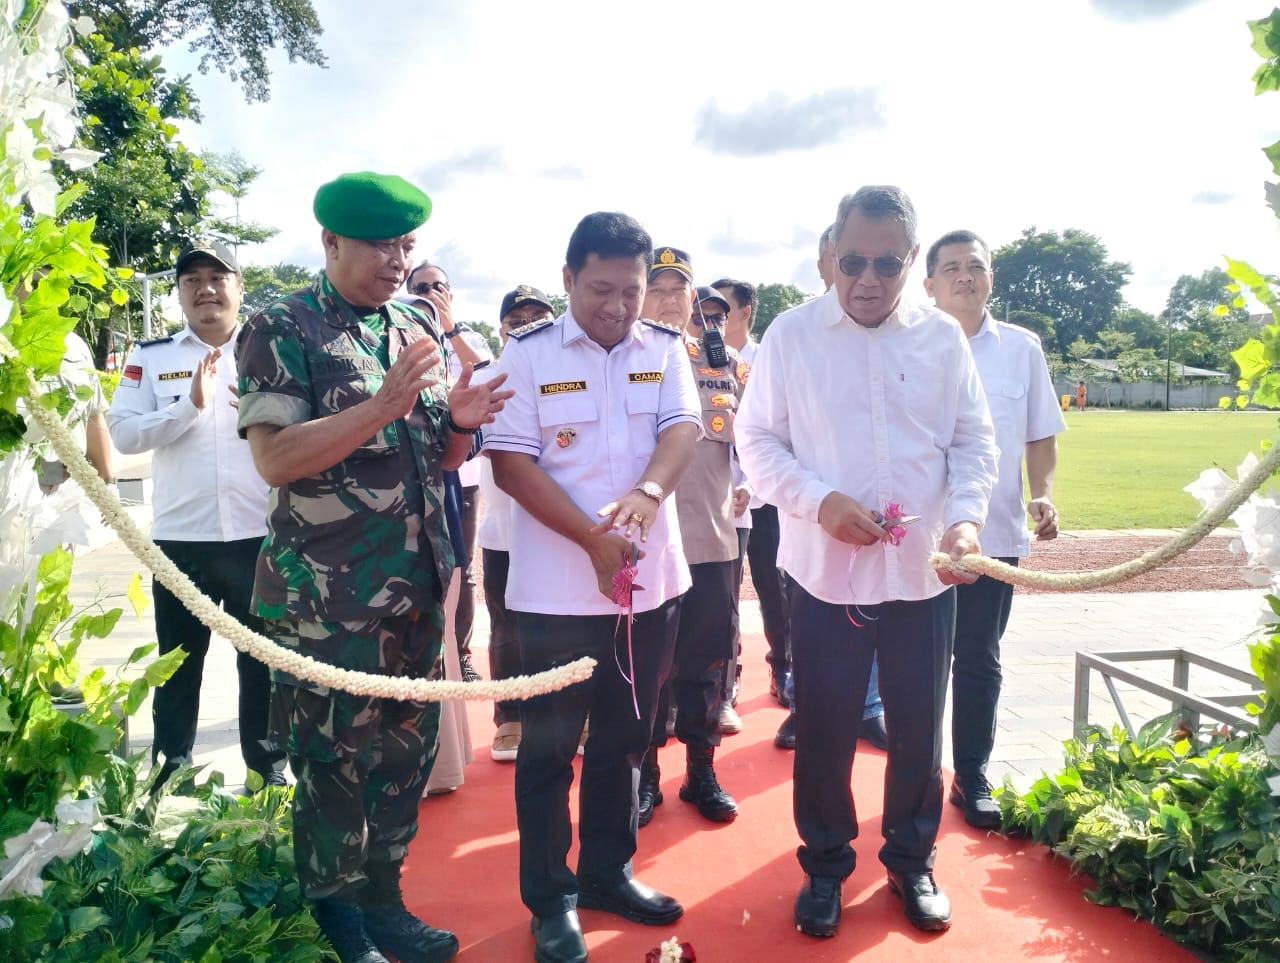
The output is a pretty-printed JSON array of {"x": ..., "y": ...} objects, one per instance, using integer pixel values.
[
  {"x": 210, "y": 503},
  {"x": 704, "y": 501},
  {"x": 603, "y": 423},
  {"x": 343, "y": 401}
]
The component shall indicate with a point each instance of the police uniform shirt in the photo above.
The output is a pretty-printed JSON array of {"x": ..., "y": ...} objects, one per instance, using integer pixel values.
[
  {"x": 894, "y": 413},
  {"x": 1024, "y": 409},
  {"x": 206, "y": 488},
  {"x": 704, "y": 497},
  {"x": 591, "y": 418}
]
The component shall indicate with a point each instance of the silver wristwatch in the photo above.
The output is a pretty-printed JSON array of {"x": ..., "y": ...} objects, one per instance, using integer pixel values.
[{"x": 652, "y": 489}]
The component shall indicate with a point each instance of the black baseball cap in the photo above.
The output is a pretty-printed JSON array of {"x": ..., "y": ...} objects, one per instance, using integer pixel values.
[
  {"x": 524, "y": 294},
  {"x": 209, "y": 248},
  {"x": 671, "y": 259},
  {"x": 706, "y": 293}
]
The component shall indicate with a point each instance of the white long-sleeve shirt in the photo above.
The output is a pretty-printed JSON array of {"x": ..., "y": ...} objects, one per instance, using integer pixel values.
[
  {"x": 888, "y": 414},
  {"x": 205, "y": 485}
]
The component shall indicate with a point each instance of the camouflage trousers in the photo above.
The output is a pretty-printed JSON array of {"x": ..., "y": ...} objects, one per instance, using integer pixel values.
[{"x": 361, "y": 762}]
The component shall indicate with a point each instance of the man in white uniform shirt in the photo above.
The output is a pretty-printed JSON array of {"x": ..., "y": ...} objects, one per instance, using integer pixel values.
[
  {"x": 209, "y": 501},
  {"x": 859, "y": 402},
  {"x": 603, "y": 422},
  {"x": 1027, "y": 420}
]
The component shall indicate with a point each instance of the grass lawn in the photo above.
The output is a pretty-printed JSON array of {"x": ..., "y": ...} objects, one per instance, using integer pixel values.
[{"x": 1127, "y": 469}]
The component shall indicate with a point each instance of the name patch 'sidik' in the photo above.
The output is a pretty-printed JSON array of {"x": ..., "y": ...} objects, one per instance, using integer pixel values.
[
  {"x": 173, "y": 375},
  {"x": 560, "y": 387},
  {"x": 644, "y": 377}
]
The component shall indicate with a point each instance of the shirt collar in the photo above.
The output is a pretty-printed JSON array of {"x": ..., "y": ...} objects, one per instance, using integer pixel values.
[
  {"x": 989, "y": 326},
  {"x": 337, "y": 310},
  {"x": 187, "y": 334},
  {"x": 904, "y": 315},
  {"x": 573, "y": 331}
]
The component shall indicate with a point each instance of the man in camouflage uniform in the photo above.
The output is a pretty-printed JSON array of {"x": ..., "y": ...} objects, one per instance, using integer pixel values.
[{"x": 343, "y": 401}]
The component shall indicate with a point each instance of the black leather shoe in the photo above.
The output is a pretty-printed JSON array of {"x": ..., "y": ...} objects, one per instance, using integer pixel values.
[
  {"x": 396, "y": 931},
  {"x": 650, "y": 795},
  {"x": 630, "y": 899},
  {"x": 785, "y": 738},
  {"x": 973, "y": 795},
  {"x": 874, "y": 732},
  {"x": 818, "y": 906},
  {"x": 702, "y": 788},
  {"x": 778, "y": 686},
  {"x": 558, "y": 939},
  {"x": 927, "y": 906}
]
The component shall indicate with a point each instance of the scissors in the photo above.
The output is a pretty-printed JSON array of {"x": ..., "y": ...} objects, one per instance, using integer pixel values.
[{"x": 903, "y": 520}]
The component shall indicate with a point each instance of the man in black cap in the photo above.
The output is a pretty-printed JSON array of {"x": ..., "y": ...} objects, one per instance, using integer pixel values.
[
  {"x": 209, "y": 502},
  {"x": 523, "y": 306},
  {"x": 344, "y": 404},
  {"x": 704, "y": 503}
]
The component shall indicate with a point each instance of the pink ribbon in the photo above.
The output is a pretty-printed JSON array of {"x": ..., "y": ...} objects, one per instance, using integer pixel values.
[{"x": 624, "y": 584}]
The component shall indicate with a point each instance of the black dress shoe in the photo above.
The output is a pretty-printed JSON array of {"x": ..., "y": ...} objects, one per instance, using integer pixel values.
[
  {"x": 973, "y": 795},
  {"x": 630, "y": 899},
  {"x": 927, "y": 906},
  {"x": 818, "y": 906},
  {"x": 778, "y": 686},
  {"x": 558, "y": 939},
  {"x": 874, "y": 732},
  {"x": 786, "y": 735}
]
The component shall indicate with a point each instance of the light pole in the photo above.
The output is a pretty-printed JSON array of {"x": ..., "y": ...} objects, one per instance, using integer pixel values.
[
  {"x": 1168, "y": 357},
  {"x": 146, "y": 300}
]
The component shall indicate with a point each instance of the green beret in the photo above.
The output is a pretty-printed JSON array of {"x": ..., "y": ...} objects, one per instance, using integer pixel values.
[{"x": 371, "y": 207}]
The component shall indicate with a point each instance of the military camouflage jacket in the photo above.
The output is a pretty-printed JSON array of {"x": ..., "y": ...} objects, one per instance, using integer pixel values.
[{"x": 365, "y": 538}]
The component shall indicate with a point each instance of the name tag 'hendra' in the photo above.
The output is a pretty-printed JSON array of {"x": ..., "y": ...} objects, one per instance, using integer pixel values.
[
  {"x": 644, "y": 377},
  {"x": 173, "y": 375},
  {"x": 560, "y": 387}
]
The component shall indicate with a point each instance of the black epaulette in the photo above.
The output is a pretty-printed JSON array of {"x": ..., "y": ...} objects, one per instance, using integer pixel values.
[
  {"x": 154, "y": 341},
  {"x": 663, "y": 327},
  {"x": 527, "y": 329}
]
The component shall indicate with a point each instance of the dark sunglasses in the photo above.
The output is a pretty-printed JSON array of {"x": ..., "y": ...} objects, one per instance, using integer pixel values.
[
  {"x": 885, "y": 266},
  {"x": 717, "y": 318},
  {"x": 426, "y": 287}
]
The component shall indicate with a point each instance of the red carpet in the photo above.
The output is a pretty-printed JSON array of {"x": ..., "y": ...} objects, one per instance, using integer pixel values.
[{"x": 1011, "y": 900}]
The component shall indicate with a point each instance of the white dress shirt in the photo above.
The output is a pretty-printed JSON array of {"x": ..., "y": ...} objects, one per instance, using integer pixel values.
[
  {"x": 888, "y": 414},
  {"x": 494, "y": 530},
  {"x": 591, "y": 418},
  {"x": 1024, "y": 409},
  {"x": 205, "y": 485}
]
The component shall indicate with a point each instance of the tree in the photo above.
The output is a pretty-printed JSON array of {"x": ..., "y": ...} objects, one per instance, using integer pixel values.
[
  {"x": 145, "y": 194},
  {"x": 1065, "y": 276},
  {"x": 1207, "y": 319},
  {"x": 1148, "y": 331},
  {"x": 559, "y": 303},
  {"x": 234, "y": 36},
  {"x": 230, "y": 174},
  {"x": 1041, "y": 324},
  {"x": 263, "y": 285},
  {"x": 771, "y": 301}
]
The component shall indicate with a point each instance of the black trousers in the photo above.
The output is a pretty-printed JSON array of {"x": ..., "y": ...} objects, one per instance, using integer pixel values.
[
  {"x": 504, "y": 647},
  {"x": 223, "y": 571},
  {"x": 771, "y": 585},
  {"x": 464, "y": 613},
  {"x": 734, "y": 667},
  {"x": 552, "y": 725},
  {"x": 704, "y": 642},
  {"x": 831, "y": 663},
  {"x": 982, "y": 613}
]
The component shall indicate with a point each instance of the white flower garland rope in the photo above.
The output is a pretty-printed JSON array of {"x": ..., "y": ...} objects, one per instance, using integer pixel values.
[
  {"x": 1084, "y": 581},
  {"x": 258, "y": 646}
]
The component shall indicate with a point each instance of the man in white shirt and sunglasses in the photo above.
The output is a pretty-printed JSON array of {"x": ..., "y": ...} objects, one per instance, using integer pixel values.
[{"x": 861, "y": 407}]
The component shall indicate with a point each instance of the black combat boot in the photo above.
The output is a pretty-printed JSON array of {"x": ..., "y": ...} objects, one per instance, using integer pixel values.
[
  {"x": 650, "y": 794},
  {"x": 702, "y": 788},
  {"x": 342, "y": 923},
  {"x": 393, "y": 928}
]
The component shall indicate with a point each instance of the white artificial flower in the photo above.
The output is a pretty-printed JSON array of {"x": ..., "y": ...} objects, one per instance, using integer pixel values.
[
  {"x": 83, "y": 25},
  {"x": 28, "y": 854},
  {"x": 78, "y": 159}
]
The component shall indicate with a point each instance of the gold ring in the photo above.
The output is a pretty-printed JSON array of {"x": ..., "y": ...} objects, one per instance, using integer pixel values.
[{"x": 637, "y": 517}]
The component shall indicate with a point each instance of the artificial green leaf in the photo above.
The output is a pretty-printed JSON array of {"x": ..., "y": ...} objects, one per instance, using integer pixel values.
[{"x": 137, "y": 598}]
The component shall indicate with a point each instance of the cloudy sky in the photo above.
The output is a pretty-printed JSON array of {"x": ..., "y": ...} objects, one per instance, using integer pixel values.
[{"x": 732, "y": 129}]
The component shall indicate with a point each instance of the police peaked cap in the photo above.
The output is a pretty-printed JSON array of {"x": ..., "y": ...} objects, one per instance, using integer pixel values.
[{"x": 371, "y": 207}]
